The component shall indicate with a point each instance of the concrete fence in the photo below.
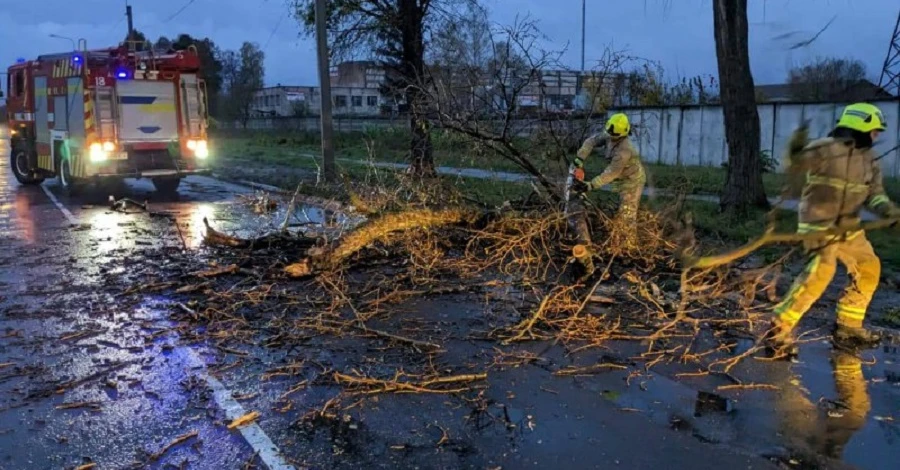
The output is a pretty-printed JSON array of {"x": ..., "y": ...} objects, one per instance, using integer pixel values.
[
  {"x": 675, "y": 135},
  {"x": 695, "y": 135}
]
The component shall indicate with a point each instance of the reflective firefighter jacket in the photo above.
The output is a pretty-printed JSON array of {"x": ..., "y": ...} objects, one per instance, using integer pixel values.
[
  {"x": 841, "y": 181},
  {"x": 624, "y": 162}
]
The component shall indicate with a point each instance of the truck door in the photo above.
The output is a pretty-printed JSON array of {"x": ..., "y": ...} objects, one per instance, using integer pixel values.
[
  {"x": 147, "y": 111},
  {"x": 41, "y": 128}
]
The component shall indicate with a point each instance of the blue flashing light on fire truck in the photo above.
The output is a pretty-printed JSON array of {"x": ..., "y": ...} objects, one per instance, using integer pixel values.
[{"x": 94, "y": 115}]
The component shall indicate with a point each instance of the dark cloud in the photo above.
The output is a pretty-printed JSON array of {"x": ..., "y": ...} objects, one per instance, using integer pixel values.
[{"x": 678, "y": 33}]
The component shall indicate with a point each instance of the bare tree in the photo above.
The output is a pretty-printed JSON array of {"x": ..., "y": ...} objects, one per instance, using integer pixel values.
[
  {"x": 242, "y": 76},
  {"x": 743, "y": 186},
  {"x": 395, "y": 31},
  {"x": 463, "y": 40},
  {"x": 831, "y": 79},
  {"x": 503, "y": 111},
  {"x": 488, "y": 112}
]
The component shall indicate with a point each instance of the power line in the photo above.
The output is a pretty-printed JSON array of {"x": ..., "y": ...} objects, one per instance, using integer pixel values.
[
  {"x": 281, "y": 18},
  {"x": 118, "y": 23},
  {"x": 274, "y": 30},
  {"x": 180, "y": 10}
]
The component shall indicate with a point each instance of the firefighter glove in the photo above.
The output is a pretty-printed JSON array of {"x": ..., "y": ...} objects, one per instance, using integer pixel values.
[
  {"x": 579, "y": 163},
  {"x": 580, "y": 186}
]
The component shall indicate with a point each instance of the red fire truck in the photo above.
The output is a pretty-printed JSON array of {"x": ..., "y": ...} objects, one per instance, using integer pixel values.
[{"x": 93, "y": 115}]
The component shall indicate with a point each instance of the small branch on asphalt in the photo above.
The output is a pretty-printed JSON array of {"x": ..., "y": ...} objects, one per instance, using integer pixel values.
[
  {"x": 358, "y": 384},
  {"x": 230, "y": 269},
  {"x": 750, "y": 386},
  {"x": 589, "y": 370},
  {"x": 249, "y": 465},
  {"x": 178, "y": 440},
  {"x": 244, "y": 420},
  {"x": 92, "y": 405},
  {"x": 62, "y": 387},
  {"x": 290, "y": 210}
]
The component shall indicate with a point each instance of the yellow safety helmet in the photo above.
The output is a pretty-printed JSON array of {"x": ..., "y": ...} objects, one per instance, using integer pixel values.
[
  {"x": 862, "y": 117},
  {"x": 618, "y": 126}
]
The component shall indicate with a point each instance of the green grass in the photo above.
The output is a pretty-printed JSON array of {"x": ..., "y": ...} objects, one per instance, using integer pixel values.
[
  {"x": 387, "y": 145},
  {"x": 701, "y": 179},
  {"x": 484, "y": 191},
  {"x": 293, "y": 148}
]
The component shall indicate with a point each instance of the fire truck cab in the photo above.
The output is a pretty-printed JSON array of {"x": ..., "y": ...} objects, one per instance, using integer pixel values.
[{"x": 93, "y": 115}]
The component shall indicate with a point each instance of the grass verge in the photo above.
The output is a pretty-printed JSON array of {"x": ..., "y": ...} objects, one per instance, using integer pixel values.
[{"x": 390, "y": 145}]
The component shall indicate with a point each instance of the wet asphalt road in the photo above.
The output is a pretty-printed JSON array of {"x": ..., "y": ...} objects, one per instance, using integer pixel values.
[
  {"x": 84, "y": 378},
  {"x": 81, "y": 379}
]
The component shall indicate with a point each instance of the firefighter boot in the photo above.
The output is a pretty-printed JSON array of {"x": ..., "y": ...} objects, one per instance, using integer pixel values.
[
  {"x": 853, "y": 337},
  {"x": 780, "y": 342}
]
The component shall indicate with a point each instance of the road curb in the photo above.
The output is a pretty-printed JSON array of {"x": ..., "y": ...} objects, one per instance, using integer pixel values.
[
  {"x": 326, "y": 204},
  {"x": 252, "y": 184}
]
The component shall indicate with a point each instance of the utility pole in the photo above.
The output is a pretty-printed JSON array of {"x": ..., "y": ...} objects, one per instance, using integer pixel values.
[
  {"x": 890, "y": 73},
  {"x": 130, "y": 21},
  {"x": 583, "y": 11},
  {"x": 325, "y": 95}
]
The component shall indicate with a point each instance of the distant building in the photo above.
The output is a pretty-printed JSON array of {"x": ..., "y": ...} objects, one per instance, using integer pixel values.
[
  {"x": 559, "y": 89},
  {"x": 355, "y": 89},
  {"x": 280, "y": 101}
]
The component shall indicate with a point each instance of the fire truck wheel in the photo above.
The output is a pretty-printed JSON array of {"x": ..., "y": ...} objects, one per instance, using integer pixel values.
[
  {"x": 19, "y": 164},
  {"x": 69, "y": 185},
  {"x": 166, "y": 185}
]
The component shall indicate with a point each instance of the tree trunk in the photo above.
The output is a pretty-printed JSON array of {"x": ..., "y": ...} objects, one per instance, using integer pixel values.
[
  {"x": 743, "y": 186},
  {"x": 412, "y": 16}
]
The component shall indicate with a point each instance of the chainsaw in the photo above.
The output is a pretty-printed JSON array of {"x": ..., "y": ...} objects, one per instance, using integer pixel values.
[{"x": 575, "y": 173}]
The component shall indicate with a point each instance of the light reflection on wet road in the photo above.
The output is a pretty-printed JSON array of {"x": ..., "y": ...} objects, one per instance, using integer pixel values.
[{"x": 82, "y": 378}]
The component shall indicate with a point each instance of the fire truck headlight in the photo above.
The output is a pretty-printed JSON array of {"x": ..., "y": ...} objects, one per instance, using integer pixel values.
[
  {"x": 108, "y": 146},
  {"x": 202, "y": 152},
  {"x": 192, "y": 144},
  {"x": 97, "y": 153}
]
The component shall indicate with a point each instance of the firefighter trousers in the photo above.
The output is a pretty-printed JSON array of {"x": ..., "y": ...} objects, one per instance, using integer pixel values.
[
  {"x": 863, "y": 268},
  {"x": 630, "y": 201}
]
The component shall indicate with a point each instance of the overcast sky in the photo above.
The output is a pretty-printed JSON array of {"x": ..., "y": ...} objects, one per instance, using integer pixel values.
[{"x": 678, "y": 33}]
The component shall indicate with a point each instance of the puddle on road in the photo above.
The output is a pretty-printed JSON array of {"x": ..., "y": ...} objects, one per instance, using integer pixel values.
[{"x": 829, "y": 404}]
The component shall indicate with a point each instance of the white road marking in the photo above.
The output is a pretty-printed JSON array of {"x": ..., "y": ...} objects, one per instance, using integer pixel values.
[
  {"x": 69, "y": 216},
  {"x": 252, "y": 433}
]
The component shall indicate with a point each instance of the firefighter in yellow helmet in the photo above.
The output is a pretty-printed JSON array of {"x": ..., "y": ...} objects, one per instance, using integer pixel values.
[
  {"x": 624, "y": 170},
  {"x": 842, "y": 178}
]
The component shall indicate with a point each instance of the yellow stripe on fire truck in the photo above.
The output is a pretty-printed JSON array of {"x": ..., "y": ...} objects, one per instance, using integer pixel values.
[
  {"x": 65, "y": 68},
  {"x": 43, "y": 161}
]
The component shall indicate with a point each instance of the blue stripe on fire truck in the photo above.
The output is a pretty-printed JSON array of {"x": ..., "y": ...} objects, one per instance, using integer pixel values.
[{"x": 137, "y": 99}]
